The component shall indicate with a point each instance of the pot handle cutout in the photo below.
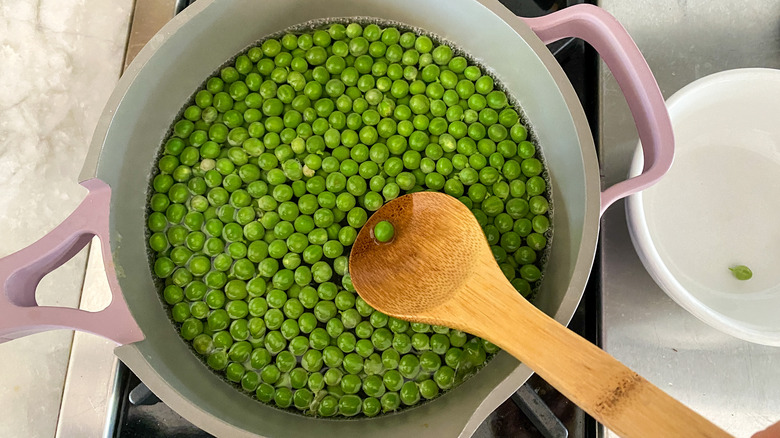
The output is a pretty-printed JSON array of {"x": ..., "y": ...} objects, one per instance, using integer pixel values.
[
  {"x": 602, "y": 31},
  {"x": 20, "y": 273}
]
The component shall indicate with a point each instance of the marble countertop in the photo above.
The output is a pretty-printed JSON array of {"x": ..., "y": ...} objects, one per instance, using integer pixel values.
[{"x": 60, "y": 62}]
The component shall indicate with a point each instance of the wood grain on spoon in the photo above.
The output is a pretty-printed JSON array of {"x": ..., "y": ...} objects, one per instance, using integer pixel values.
[{"x": 439, "y": 269}]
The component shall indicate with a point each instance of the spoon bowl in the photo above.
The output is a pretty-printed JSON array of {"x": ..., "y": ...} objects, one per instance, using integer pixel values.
[
  {"x": 412, "y": 261},
  {"x": 438, "y": 269}
]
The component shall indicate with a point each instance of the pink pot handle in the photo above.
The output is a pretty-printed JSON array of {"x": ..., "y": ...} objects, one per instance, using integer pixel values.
[
  {"x": 602, "y": 31},
  {"x": 20, "y": 272}
]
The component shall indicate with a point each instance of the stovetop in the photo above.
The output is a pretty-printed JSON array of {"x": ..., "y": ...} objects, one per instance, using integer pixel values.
[{"x": 536, "y": 410}]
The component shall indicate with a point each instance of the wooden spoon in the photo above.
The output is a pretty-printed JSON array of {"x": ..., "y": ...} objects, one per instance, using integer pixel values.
[{"x": 438, "y": 269}]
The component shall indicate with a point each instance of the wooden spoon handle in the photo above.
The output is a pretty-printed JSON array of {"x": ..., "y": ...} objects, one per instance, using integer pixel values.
[{"x": 609, "y": 391}]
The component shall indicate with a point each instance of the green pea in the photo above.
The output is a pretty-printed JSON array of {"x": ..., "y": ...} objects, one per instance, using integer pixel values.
[
  {"x": 217, "y": 360},
  {"x": 353, "y": 363},
  {"x": 265, "y": 392},
  {"x": 409, "y": 393},
  {"x": 346, "y": 342},
  {"x": 371, "y": 407},
  {"x": 409, "y": 366},
  {"x": 428, "y": 389},
  {"x": 289, "y": 328},
  {"x": 350, "y": 405},
  {"x": 382, "y": 339},
  {"x": 283, "y": 397},
  {"x": 250, "y": 381},
  {"x": 321, "y": 272},
  {"x": 191, "y": 328},
  {"x": 222, "y": 340},
  {"x": 364, "y": 348},
  {"x": 328, "y": 406},
  {"x": 319, "y": 338},
  {"x": 303, "y": 398},
  {"x": 298, "y": 345},
  {"x": 390, "y": 402},
  {"x": 530, "y": 273},
  {"x": 740, "y": 272},
  {"x": 538, "y": 205},
  {"x": 429, "y": 361},
  {"x": 444, "y": 377},
  {"x": 517, "y": 208}
]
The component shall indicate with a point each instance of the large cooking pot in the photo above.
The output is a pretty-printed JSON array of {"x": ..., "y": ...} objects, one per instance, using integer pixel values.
[{"x": 187, "y": 50}]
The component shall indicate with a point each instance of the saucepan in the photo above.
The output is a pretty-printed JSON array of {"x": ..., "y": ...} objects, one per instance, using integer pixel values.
[{"x": 193, "y": 45}]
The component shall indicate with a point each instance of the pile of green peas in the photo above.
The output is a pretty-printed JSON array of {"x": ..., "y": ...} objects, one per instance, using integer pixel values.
[{"x": 266, "y": 179}]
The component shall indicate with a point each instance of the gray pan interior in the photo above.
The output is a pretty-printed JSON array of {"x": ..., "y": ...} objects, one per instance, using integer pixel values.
[{"x": 187, "y": 50}]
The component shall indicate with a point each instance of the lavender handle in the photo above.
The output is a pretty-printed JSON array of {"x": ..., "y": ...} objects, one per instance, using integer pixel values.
[
  {"x": 633, "y": 75},
  {"x": 20, "y": 273}
]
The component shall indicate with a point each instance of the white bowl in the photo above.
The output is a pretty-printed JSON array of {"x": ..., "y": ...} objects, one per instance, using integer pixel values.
[{"x": 719, "y": 205}]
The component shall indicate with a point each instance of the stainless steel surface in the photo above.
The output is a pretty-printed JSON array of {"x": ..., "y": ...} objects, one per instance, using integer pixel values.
[
  {"x": 734, "y": 383},
  {"x": 539, "y": 413},
  {"x": 175, "y": 62}
]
